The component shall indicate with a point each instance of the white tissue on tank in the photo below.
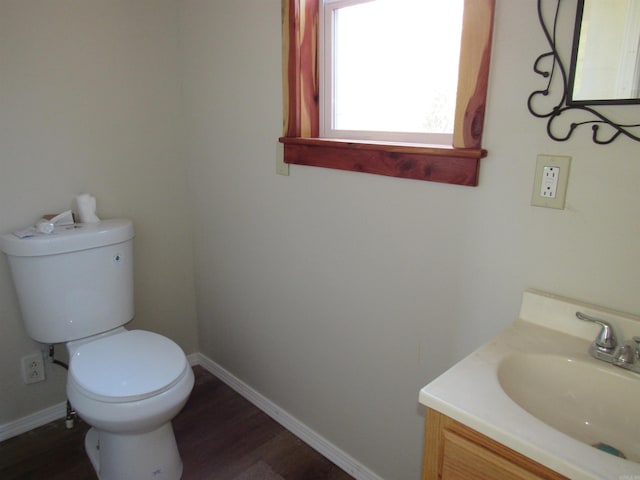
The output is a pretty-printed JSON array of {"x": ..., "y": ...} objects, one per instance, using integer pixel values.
[
  {"x": 45, "y": 226},
  {"x": 86, "y": 208},
  {"x": 64, "y": 218}
]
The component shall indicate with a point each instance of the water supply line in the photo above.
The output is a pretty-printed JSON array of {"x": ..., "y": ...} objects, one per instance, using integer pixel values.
[{"x": 71, "y": 413}]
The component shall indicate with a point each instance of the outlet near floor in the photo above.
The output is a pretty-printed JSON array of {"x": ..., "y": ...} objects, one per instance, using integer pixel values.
[
  {"x": 550, "y": 183},
  {"x": 33, "y": 368}
]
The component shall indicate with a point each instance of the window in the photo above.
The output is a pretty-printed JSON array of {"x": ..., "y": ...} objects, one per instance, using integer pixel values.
[
  {"x": 376, "y": 69},
  {"x": 303, "y": 143}
]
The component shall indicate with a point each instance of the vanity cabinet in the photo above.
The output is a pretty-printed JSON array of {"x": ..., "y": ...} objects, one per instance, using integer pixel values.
[{"x": 453, "y": 451}]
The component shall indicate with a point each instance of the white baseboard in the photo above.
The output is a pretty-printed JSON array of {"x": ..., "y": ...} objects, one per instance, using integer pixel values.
[
  {"x": 32, "y": 421},
  {"x": 288, "y": 421},
  {"x": 194, "y": 359}
]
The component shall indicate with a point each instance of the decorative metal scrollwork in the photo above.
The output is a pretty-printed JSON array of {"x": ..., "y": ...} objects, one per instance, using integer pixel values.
[{"x": 563, "y": 118}]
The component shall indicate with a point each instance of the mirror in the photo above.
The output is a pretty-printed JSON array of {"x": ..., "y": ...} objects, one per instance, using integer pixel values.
[
  {"x": 604, "y": 80},
  {"x": 605, "y": 61}
]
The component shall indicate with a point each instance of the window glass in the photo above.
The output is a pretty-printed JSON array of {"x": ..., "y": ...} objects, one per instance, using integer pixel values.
[{"x": 390, "y": 66}]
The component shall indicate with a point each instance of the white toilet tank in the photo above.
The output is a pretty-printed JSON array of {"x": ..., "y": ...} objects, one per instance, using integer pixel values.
[{"x": 75, "y": 282}]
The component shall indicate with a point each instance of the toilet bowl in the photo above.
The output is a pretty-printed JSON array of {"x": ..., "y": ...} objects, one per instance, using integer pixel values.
[
  {"x": 75, "y": 286},
  {"x": 128, "y": 385}
]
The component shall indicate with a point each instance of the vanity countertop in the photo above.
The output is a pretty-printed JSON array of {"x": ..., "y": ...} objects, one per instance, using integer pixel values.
[{"x": 470, "y": 391}]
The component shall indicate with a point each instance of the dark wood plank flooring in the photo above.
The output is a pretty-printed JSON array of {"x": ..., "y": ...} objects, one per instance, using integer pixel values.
[{"x": 221, "y": 436}]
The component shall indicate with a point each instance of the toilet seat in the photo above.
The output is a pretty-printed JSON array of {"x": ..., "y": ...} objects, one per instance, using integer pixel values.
[{"x": 127, "y": 366}]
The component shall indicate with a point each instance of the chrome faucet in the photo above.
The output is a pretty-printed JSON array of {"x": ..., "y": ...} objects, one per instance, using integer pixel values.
[
  {"x": 606, "y": 346},
  {"x": 629, "y": 354}
]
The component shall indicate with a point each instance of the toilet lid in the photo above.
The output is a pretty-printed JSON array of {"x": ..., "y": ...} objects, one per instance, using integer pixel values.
[{"x": 127, "y": 366}]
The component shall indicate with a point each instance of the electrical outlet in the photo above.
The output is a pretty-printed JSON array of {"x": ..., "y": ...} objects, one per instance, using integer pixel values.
[
  {"x": 33, "y": 368},
  {"x": 549, "y": 186},
  {"x": 550, "y": 183}
]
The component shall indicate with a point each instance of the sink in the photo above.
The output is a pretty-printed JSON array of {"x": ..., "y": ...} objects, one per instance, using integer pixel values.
[
  {"x": 536, "y": 390},
  {"x": 592, "y": 403}
]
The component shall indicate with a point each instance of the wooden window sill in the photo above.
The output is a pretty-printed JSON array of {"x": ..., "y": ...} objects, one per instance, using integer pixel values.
[{"x": 434, "y": 163}]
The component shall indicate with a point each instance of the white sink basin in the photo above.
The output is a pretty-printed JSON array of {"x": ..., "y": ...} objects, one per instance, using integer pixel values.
[
  {"x": 590, "y": 401},
  {"x": 535, "y": 389}
]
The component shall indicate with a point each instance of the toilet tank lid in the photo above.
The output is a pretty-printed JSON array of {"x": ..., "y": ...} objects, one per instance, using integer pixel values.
[{"x": 69, "y": 238}]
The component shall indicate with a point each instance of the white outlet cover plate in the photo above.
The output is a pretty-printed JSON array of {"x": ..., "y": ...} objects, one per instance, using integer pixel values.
[
  {"x": 33, "y": 370},
  {"x": 563, "y": 163}
]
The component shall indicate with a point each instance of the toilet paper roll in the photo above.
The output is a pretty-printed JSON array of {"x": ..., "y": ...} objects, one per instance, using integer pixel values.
[{"x": 86, "y": 208}]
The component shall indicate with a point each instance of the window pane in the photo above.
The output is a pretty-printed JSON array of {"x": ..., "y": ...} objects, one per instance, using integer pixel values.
[{"x": 396, "y": 65}]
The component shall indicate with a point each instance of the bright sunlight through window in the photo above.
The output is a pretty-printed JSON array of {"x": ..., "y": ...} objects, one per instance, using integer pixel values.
[{"x": 389, "y": 69}]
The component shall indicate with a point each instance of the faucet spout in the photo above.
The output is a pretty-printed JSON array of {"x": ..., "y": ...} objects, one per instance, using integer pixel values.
[{"x": 625, "y": 355}]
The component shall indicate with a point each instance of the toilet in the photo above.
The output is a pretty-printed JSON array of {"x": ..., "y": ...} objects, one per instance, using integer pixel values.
[{"x": 75, "y": 286}]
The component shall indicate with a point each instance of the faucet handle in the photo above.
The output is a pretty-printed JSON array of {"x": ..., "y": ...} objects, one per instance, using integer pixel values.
[{"x": 606, "y": 340}]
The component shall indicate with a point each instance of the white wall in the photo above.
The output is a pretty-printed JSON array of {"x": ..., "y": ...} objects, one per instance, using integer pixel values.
[
  {"x": 90, "y": 101},
  {"x": 338, "y": 295}
]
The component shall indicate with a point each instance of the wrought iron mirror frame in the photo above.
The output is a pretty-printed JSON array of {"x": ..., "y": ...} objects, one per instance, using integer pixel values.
[{"x": 593, "y": 117}]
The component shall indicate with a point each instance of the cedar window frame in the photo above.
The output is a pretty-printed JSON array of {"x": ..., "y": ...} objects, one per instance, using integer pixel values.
[{"x": 456, "y": 164}]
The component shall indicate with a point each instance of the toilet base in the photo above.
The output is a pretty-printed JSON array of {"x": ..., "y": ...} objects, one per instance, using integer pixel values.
[{"x": 145, "y": 456}]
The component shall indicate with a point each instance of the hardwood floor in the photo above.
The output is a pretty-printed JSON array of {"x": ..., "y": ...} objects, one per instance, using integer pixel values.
[{"x": 221, "y": 436}]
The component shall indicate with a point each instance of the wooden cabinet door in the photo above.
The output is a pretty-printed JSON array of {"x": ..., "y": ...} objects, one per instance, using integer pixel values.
[
  {"x": 464, "y": 459},
  {"x": 453, "y": 451}
]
